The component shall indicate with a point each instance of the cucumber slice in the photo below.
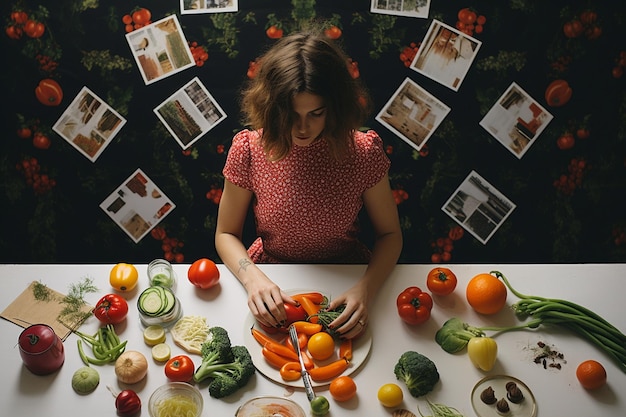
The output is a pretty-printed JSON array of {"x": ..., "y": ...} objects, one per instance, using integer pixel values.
[{"x": 156, "y": 301}]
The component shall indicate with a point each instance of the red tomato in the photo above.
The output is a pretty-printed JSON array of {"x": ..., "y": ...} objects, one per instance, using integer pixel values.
[
  {"x": 49, "y": 92},
  {"x": 41, "y": 141},
  {"x": 24, "y": 132},
  {"x": 14, "y": 32},
  {"x": 582, "y": 133},
  {"x": 179, "y": 368},
  {"x": 34, "y": 29},
  {"x": 467, "y": 16},
  {"x": 294, "y": 313},
  {"x": 203, "y": 273},
  {"x": 274, "y": 32},
  {"x": 455, "y": 233},
  {"x": 19, "y": 17},
  {"x": 111, "y": 309},
  {"x": 333, "y": 32},
  {"x": 565, "y": 141},
  {"x": 558, "y": 93},
  {"x": 573, "y": 28},
  {"x": 441, "y": 281},
  {"x": 141, "y": 16},
  {"x": 617, "y": 72}
]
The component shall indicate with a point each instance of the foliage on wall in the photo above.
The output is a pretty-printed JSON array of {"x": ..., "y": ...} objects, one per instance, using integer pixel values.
[{"x": 568, "y": 189}]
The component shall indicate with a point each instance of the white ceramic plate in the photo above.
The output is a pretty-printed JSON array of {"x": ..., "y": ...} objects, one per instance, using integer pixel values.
[
  {"x": 526, "y": 408},
  {"x": 360, "y": 350}
]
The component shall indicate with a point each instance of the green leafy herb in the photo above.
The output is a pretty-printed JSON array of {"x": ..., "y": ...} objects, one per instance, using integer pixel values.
[
  {"x": 41, "y": 292},
  {"x": 440, "y": 410},
  {"x": 75, "y": 300}
]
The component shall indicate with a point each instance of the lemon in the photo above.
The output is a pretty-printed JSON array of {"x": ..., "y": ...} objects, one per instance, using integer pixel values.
[
  {"x": 161, "y": 352},
  {"x": 153, "y": 335},
  {"x": 390, "y": 395}
]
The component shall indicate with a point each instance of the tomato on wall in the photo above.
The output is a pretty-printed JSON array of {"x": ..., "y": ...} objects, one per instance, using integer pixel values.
[{"x": 49, "y": 92}]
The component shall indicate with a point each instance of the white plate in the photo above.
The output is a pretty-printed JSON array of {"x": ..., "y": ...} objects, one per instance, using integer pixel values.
[
  {"x": 526, "y": 408},
  {"x": 360, "y": 350}
]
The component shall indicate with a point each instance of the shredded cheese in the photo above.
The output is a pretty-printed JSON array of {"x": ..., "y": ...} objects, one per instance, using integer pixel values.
[
  {"x": 177, "y": 406},
  {"x": 190, "y": 332}
]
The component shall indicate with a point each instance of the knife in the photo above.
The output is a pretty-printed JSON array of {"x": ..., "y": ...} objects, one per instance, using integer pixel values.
[{"x": 308, "y": 385}]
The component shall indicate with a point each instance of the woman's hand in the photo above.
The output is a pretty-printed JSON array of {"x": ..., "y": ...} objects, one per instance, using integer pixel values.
[
  {"x": 266, "y": 300},
  {"x": 353, "y": 320}
]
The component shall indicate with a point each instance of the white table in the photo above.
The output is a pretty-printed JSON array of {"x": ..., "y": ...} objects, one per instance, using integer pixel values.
[{"x": 557, "y": 392}]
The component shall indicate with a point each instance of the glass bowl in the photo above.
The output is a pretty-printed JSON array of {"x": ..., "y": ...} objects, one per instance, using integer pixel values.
[
  {"x": 270, "y": 406},
  {"x": 175, "y": 394}
]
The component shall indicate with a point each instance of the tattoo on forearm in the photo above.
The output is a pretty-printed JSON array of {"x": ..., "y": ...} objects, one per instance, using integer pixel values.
[{"x": 244, "y": 263}]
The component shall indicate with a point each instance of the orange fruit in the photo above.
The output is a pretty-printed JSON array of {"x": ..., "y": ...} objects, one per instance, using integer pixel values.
[
  {"x": 486, "y": 294},
  {"x": 321, "y": 346},
  {"x": 591, "y": 374},
  {"x": 342, "y": 388}
]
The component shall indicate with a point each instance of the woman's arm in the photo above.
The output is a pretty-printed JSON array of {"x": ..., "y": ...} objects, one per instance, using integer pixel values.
[
  {"x": 383, "y": 213},
  {"x": 265, "y": 299}
]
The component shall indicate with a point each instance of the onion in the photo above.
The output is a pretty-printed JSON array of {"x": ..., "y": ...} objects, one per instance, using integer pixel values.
[
  {"x": 85, "y": 380},
  {"x": 131, "y": 367}
]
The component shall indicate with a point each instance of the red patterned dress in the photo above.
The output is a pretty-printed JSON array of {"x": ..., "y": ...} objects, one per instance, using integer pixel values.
[{"x": 307, "y": 204}]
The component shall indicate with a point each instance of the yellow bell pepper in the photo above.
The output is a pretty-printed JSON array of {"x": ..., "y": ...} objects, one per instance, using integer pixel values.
[
  {"x": 482, "y": 351},
  {"x": 123, "y": 277}
]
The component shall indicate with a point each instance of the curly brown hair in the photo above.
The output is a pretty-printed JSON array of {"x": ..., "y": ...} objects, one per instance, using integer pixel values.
[{"x": 305, "y": 61}]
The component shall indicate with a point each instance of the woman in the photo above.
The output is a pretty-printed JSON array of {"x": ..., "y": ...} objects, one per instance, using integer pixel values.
[{"x": 307, "y": 171}]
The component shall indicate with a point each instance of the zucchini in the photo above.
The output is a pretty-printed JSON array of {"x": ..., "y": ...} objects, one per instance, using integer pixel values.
[{"x": 156, "y": 301}]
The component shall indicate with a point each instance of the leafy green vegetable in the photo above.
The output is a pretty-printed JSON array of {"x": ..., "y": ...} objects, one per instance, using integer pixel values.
[{"x": 229, "y": 367}]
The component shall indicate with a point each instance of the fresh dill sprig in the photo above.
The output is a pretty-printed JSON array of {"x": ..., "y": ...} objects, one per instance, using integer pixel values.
[
  {"x": 41, "y": 292},
  {"x": 75, "y": 300}
]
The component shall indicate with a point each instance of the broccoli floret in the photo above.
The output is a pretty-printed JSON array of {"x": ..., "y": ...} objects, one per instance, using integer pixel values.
[
  {"x": 230, "y": 367},
  {"x": 215, "y": 351},
  {"x": 418, "y": 373},
  {"x": 229, "y": 377}
]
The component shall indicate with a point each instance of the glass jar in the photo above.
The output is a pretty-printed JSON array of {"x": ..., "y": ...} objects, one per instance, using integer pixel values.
[{"x": 161, "y": 273}]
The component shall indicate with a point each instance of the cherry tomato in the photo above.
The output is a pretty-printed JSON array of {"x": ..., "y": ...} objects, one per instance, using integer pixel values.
[
  {"x": 179, "y": 368},
  {"x": 333, "y": 32},
  {"x": 41, "y": 141},
  {"x": 141, "y": 16},
  {"x": 441, "y": 281},
  {"x": 203, "y": 273},
  {"x": 565, "y": 141},
  {"x": 24, "y": 132},
  {"x": 111, "y": 309},
  {"x": 274, "y": 32}
]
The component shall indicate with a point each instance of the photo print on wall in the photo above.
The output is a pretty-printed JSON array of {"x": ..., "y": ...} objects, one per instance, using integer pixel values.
[
  {"x": 516, "y": 120},
  {"x": 478, "y": 207},
  {"x": 89, "y": 124},
  {"x": 160, "y": 49},
  {"x": 137, "y": 205},
  {"x": 445, "y": 55},
  {"x": 412, "y": 113}
]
